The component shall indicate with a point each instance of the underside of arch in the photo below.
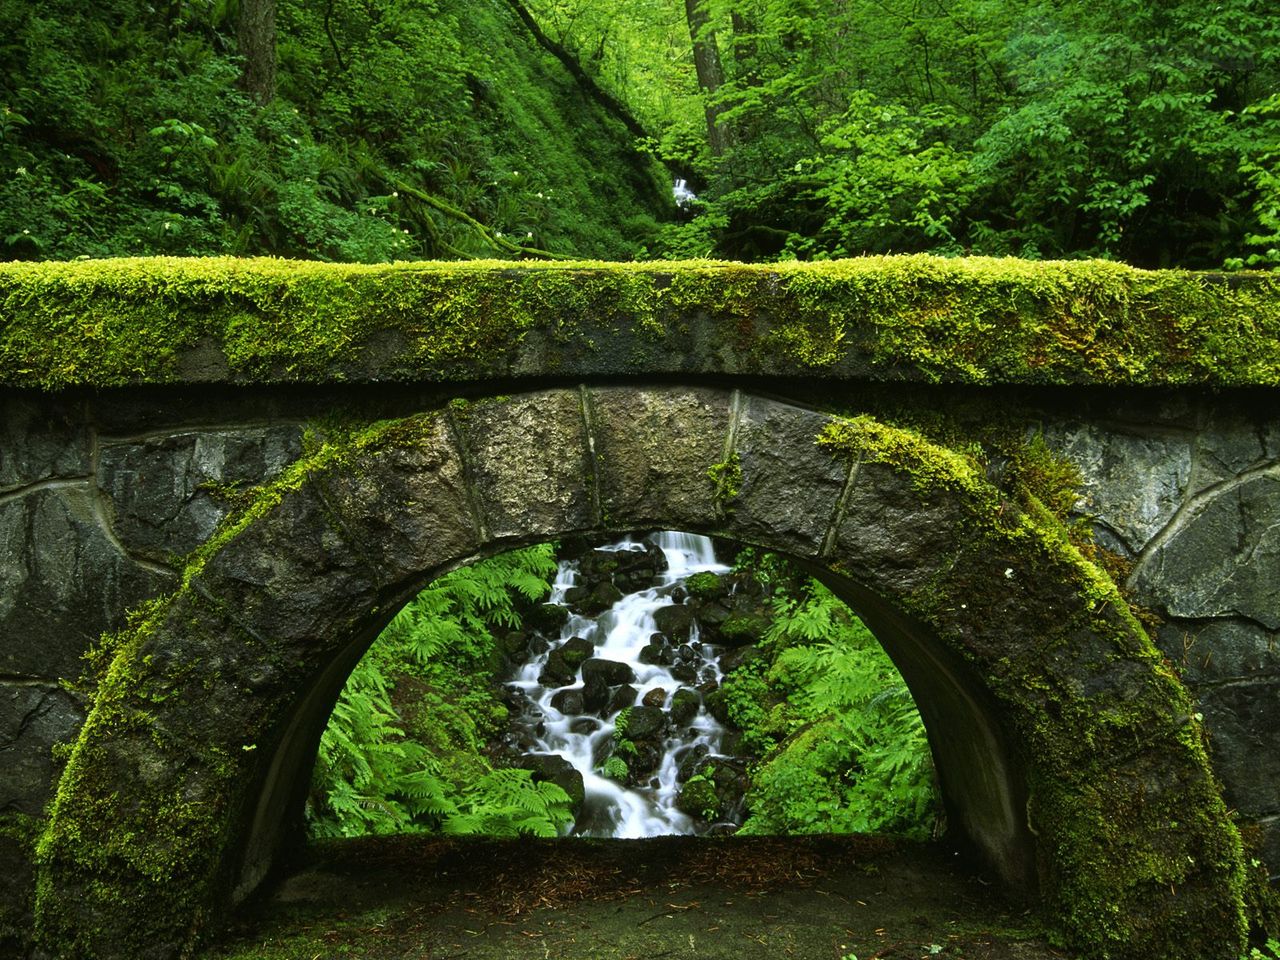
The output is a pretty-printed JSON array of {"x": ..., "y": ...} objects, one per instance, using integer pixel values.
[{"x": 1068, "y": 754}]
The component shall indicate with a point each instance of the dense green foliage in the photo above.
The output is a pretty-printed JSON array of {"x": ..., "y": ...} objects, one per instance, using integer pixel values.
[
  {"x": 404, "y": 750},
  {"x": 1041, "y": 128},
  {"x": 842, "y": 747},
  {"x": 402, "y": 129}
]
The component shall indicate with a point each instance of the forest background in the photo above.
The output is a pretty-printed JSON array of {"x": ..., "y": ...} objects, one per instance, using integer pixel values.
[{"x": 374, "y": 130}]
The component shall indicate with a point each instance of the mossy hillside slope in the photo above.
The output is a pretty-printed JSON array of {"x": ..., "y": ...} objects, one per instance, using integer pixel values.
[{"x": 970, "y": 321}]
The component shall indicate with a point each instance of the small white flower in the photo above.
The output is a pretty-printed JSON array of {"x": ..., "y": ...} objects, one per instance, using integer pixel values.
[
  {"x": 26, "y": 232},
  {"x": 406, "y": 231},
  {"x": 21, "y": 171},
  {"x": 528, "y": 236},
  {"x": 395, "y": 193},
  {"x": 1008, "y": 573},
  {"x": 166, "y": 224}
]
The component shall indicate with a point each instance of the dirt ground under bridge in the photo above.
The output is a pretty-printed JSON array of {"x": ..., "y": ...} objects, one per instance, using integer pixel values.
[{"x": 414, "y": 898}]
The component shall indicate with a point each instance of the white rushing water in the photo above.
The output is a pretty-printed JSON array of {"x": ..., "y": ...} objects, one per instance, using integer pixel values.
[{"x": 619, "y": 634}]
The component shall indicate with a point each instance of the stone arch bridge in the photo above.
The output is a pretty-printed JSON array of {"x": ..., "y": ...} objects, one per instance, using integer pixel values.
[{"x": 1053, "y": 491}]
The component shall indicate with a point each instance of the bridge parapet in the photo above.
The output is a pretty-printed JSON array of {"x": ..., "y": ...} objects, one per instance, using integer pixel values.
[{"x": 125, "y": 322}]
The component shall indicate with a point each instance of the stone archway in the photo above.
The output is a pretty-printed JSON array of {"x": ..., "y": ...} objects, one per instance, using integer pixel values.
[{"x": 1067, "y": 752}]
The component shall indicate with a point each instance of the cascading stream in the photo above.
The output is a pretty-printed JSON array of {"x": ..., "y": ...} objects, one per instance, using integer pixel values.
[{"x": 578, "y": 688}]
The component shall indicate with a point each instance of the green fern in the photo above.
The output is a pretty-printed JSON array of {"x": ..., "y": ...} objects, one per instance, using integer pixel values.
[
  {"x": 842, "y": 747},
  {"x": 371, "y": 777}
]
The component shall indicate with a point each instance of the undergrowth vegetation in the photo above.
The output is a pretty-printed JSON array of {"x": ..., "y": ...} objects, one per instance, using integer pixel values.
[
  {"x": 404, "y": 750},
  {"x": 842, "y": 748}
]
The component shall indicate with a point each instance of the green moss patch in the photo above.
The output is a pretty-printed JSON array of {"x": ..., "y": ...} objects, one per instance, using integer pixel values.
[{"x": 167, "y": 320}]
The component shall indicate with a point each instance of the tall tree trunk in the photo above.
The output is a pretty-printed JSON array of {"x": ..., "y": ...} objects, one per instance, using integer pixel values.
[
  {"x": 706, "y": 60},
  {"x": 256, "y": 33}
]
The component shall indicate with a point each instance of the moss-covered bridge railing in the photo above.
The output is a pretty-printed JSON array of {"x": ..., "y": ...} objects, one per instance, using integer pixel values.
[{"x": 224, "y": 476}]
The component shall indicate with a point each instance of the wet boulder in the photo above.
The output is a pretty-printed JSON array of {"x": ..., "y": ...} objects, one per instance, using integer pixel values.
[
  {"x": 609, "y": 671},
  {"x": 621, "y": 698},
  {"x": 563, "y": 662},
  {"x": 548, "y": 618},
  {"x": 689, "y": 761},
  {"x": 707, "y": 586},
  {"x": 685, "y": 673},
  {"x": 568, "y": 702},
  {"x": 657, "y": 697},
  {"x": 645, "y": 722},
  {"x": 715, "y": 791},
  {"x": 602, "y": 597},
  {"x": 734, "y": 659},
  {"x": 675, "y": 621},
  {"x": 551, "y": 767},
  {"x": 595, "y": 692},
  {"x": 684, "y": 706},
  {"x": 656, "y": 655}
]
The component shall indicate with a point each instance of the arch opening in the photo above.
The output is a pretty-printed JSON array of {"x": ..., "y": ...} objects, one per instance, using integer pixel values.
[
  {"x": 1074, "y": 739},
  {"x": 667, "y": 684}
]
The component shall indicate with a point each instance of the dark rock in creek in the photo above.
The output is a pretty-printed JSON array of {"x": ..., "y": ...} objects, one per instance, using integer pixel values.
[
  {"x": 603, "y": 597},
  {"x": 621, "y": 698},
  {"x": 689, "y": 761},
  {"x": 684, "y": 706},
  {"x": 549, "y": 618},
  {"x": 733, "y": 659},
  {"x": 675, "y": 621},
  {"x": 685, "y": 673},
  {"x": 563, "y": 662},
  {"x": 610, "y": 671},
  {"x": 644, "y": 722},
  {"x": 657, "y": 655},
  {"x": 568, "y": 701},
  {"x": 595, "y": 692},
  {"x": 715, "y": 791},
  {"x": 656, "y": 697},
  {"x": 556, "y": 769}
]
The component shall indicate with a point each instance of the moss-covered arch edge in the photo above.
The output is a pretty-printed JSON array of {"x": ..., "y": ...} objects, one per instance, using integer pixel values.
[{"x": 1134, "y": 851}]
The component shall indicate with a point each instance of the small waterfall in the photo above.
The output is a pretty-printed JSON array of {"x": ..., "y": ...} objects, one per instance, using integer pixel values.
[{"x": 575, "y": 690}]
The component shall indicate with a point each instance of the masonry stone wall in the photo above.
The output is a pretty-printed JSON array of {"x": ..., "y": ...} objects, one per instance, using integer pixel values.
[{"x": 1188, "y": 490}]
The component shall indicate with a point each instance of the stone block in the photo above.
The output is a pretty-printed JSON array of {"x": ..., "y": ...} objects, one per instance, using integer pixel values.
[
  {"x": 654, "y": 448},
  {"x": 33, "y": 717},
  {"x": 42, "y": 440},
  {"x": 162, "y": 490},
  {"x": 790, "y": 486},
  {"x": 1222, "y": 561},
  {"x": 63, "y": 583},
  {"x": 892, "y": 537},
  {"x": 292, "y": 575},
  {"x": 1210, "y": 651},
  {"x": 406, "y": 503},
  {"x": 530, "y": 464},
  {"x": 1133, "y": 484},
  {"x": 1242, "y": 720}
]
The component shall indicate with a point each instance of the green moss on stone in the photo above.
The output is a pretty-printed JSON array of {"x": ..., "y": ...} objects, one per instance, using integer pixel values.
[{"x": 170, "y": 320}]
